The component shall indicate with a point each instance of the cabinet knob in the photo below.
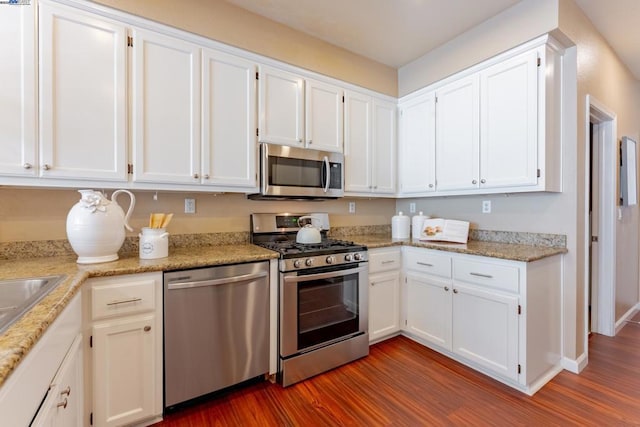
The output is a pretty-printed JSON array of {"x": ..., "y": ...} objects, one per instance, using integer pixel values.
[
  {"x": 299, "y": 140},
  {"x": 310, "y": 142},
  {"x": 483, "y": 181},
  {"x": 206, "y": 176},
  {"x": 474, "y": 182},
  {"x": 63, "y": 405},
  {"x": 27, "y": 166},
  {"x": 446, "y": 289},
  {"x": 147, "y": 328},
  {"x": 373, "y": 283},
  {"x": 66, "y": 391},
  {"x": 430, "y": 185},
  {"x": 196, "y": 176},
  {"x": 46, "y": 167},
  {"x": 455, "y": 291}
]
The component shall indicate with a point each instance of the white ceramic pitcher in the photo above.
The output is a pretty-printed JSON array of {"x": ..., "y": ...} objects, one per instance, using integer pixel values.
[{"x": 95, "y": 226}]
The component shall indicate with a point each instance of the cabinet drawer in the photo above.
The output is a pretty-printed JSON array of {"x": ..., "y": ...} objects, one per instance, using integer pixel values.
[
  {"x": 384, "y": 260},
  {"x": 501, "y": 277},
  {"x": 427, "y": 262},
  {"x": 115, "y": 299}
]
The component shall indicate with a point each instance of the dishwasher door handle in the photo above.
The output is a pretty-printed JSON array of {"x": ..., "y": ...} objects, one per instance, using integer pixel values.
[{"x": 216, "y": 282}]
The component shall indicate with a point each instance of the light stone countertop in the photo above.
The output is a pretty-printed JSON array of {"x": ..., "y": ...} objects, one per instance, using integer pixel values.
[
  {"x": 20, "y": 337},
  {"x": 509, "y": 251}
]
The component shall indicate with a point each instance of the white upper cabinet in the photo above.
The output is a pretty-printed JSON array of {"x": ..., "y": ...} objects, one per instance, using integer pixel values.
[
  {"x": 370, "y": 144},
  {"x": 299, "y": 112},
  {"x": 508, "y": 122},
  {"x": 18, "y": 100},
  {"x": 417, "y": 149},
  {"x": 82, "y": 95},
  {"x": 228, "y": 121},
  {"x": 281, "y": 107},
  {"x": 166, "y": 109},
  {"x": 457, "y": 134},
  {"x": 324, "y": 115}
]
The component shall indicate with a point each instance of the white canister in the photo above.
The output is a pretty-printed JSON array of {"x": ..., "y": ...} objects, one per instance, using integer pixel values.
[
  {"x": 154, "y": 243},
  {"x": 400, "y": 225},
  {"x": 416, "y": 225}
]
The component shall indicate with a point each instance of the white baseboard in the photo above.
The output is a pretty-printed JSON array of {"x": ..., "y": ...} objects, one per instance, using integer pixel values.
[
  {"x": 575, "y": 365},
  {"x": 627, "y": 316}
]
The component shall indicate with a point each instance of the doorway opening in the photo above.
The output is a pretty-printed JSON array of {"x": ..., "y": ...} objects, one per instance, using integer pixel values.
[{"x": 601, "y": 216}]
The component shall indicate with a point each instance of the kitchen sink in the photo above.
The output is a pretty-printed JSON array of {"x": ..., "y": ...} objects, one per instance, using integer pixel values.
[{"x": 19, "y": 295}]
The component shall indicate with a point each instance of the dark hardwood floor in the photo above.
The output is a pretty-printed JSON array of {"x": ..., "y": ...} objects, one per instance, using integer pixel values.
[{"x": 402, "y": 383}]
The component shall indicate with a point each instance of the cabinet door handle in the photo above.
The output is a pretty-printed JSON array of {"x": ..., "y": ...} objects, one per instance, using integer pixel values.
[
  {"x": 27, "y": 166},
  {"x": 63, "y": 405},
  {"x": 46, "y": 167},
  {"x": 373, "y": 283},
  {"x": 483, "y": 181},
  {"x": 124, "y": 301},
  {"x": 474, "y": 182},
  {"x": 455, "y": 291},
  {"x": 206, "y": 176},
  {"x": 486, "y": 276},
  {"x": 66, "y": 391},
  {"x": 147, "y": 328},
  {"x": 426, "y": 264},
  {"x": 446, "y": 289},
  {"x": 390, "y": 261},
  {"x": 310, "y": 142},
  {"x": 430, "y": 185},
  {"x": 196, "y": 176}
]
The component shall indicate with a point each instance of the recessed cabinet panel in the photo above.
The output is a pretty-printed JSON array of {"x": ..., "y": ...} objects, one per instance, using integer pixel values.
[
  {"x": 429, "y": 309},
  {"x": 18, "y": 100},
  {"x": 384, "y": 147},
  {"x": 166, "y": 105},
  {"x": 508, "y": 122},
  {"x": 324, "y": 116},
  {"x": 457, "y": 135},
  {"x": 281, "y": 108},
  {"x": 417, "y": 146},
  {"x": 229, "y": 121},
  {"x": 82, "y": 95},
  {"x": 358, "y": 150},
  {"x": 384, "y": 304}
]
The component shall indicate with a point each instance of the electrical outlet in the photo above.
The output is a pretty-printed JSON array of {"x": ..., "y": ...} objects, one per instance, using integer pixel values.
[
  {"x": 190, "y": 206},
  {"x": 486, "y": 206},
  {"x": 352, "y": 207},
  {"x": 412, "y": 208}
]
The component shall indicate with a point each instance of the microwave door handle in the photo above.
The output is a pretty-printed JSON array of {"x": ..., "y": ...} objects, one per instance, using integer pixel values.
[{"x": 328, "y": 174}]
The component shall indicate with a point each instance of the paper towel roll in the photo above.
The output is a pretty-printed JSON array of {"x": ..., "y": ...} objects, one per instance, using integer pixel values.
[{"x": 400, "y": 225}]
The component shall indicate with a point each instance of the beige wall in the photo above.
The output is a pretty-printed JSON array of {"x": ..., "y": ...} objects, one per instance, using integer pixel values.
[
  {"x": 227, "y": 23},
  {"x": 600, "y": 73},
  {"x": 39, "y": 214}
]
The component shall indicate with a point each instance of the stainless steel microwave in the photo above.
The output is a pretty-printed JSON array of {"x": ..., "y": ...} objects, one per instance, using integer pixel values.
[{"x": 299, "y": 173}]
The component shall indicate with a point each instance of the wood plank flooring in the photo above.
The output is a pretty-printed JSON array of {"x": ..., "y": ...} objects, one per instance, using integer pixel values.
[{"x": 402, "y": 383}]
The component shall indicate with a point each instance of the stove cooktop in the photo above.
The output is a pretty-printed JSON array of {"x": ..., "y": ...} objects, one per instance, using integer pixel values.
[{"x": 291, "y": 249}]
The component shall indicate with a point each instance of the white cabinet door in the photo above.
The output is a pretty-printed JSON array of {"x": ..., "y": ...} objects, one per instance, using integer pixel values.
[
  {"x": 166, "y": 109},
  {"x": 123, "y": 370},
  {"x": 417, "y": 172},
  {"x": 228, "y": 121},
  {"x": 323, "y": 116},
  {"x": 18, "y": 100},
  {"x": 509, "y": 122},
  {"x": 457, "y": 135},
  {"x": 384, "y": 147},
  {"x": 82, "y": 95},
  {"x": 485, "y": 328},
  {"x": 384, "y": 304},
  {"x": 429, "y": 309},
  {"x": 64, "y": 403},
  {"x": 281, "y": 107},
  {"x": 358, "y": 150}
]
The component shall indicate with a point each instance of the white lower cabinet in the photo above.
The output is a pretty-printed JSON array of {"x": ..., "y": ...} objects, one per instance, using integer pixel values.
[
  {"x": 500, "y": 317},
  {"x": 384, "y": 293},
  {"x": 124, "y": 325}
]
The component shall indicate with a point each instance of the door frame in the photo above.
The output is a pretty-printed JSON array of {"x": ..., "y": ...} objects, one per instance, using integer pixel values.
[{"x": 603, "y": 294}]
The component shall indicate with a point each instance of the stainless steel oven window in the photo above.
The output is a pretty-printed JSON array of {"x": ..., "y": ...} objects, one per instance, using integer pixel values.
[{"x": 321, "y": 308}]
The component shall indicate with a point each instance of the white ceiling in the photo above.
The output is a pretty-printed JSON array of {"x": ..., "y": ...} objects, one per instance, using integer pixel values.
[{"x": 395, "y": 32}]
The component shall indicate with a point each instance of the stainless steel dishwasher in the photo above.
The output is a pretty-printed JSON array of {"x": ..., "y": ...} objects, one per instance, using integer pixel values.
[{"x": 216, "y": 329}]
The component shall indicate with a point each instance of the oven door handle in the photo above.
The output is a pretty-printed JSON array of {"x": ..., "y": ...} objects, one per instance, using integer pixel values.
[
  {"x": 295, "y": 278},
  {"x": 216, "y": 282},
  {"x": 327, "y": 167}
]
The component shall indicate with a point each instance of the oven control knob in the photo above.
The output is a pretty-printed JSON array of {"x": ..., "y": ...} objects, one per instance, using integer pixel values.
[
  {"x": 330, "y": 259},
  {"x": 297, "y": 263},
  {"x": 347, "y": 257},
  {"x": 308, "y": 262},
  {"x": 357, "y": 257}
]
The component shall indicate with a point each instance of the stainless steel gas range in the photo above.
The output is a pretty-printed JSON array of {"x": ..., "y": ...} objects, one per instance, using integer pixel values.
[{"x": 323, "y": 300}]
